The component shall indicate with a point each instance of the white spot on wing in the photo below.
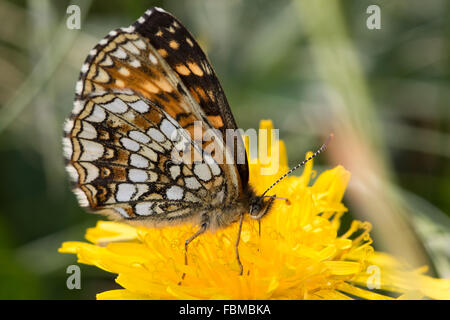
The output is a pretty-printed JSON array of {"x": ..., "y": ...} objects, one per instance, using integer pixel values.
[
  {"x": 169, "y": 130},
  {"x": 125, "y": 191},
  {"x": 91, "y": 172},
  {"x": 140, "y": 106},
  {"x": 130, "y": 47},
  {"x": 174, "y": 171},
  {"x": 135, "y": 63},
  {"x": 137, "y": 175},
  {"x": 174, "y": 193},
  {"x": 91, "y": 150},
  {"x": 116, "y": 106},
  {"x": 144, "y": 209},
  {"x": 152, "y": 58},
  {"x": 88, "y": 132},
  {"x": 156, "y": 135},
  {"x": 102, "y": 76},
  {"x": 138, "y": 161},
  {"x": 140, "y": 44},
  {"x": 139, "y": 136},
  {"x": 107, "y": 61},
  {"x": 119, "y": 53},
  {"x": 202, "y": 171},
  {"x": 97, "y": 115},
  {"x": 130, "y": 144},
  {"x": 124, "y": 71},
  {"x": 192, "y": 183}
]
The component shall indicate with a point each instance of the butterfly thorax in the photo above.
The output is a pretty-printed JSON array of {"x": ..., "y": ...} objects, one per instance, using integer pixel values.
[{"x": 226, "y": 214}]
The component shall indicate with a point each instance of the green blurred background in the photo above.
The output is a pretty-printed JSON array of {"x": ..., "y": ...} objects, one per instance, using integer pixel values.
[{"x": 313, "y": 67}]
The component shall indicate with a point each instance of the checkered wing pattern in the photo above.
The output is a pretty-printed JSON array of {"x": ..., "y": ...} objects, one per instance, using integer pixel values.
[{"x": 140, "y": 92}]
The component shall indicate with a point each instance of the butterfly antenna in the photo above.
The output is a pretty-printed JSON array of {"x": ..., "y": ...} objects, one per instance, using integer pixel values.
[{"x": 301, "y": 164}]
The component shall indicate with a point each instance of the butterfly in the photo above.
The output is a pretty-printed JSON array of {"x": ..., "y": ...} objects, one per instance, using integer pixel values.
[{"x": 141, "y": 91}]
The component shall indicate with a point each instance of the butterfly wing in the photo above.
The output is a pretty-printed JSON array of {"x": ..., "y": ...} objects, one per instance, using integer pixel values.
[
  {"x": 183, "y": 54},
  {"x": 136, "y": 102}
]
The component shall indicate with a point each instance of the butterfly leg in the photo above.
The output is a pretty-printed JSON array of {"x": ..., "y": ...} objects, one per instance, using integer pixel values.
[
  {"x": 241, "y": 219},
  {"x": 202, "y": 229}
]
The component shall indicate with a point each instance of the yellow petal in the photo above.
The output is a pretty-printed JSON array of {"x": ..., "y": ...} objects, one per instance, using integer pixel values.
[
  {"x": 358, "y": 292},
  {"x": 109, "y": 231},
  {"x": 343, "y": 268}
]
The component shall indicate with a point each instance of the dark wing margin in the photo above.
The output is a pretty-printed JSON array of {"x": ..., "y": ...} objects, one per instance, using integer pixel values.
[{"x": 183, "y": 54}]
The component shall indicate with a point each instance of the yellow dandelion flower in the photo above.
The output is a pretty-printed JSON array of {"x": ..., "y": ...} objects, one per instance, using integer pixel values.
[{"x": 299, "y": 254}]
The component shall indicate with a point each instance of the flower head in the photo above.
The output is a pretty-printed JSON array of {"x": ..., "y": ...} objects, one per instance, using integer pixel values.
[{"x": 301, "y": 252}]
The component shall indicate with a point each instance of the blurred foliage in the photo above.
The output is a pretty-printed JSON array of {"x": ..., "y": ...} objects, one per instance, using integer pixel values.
[{"x": 266, "y": 56}]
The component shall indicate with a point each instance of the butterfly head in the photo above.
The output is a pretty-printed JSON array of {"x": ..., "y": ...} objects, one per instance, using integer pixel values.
[{"x": 259, "y": 206}]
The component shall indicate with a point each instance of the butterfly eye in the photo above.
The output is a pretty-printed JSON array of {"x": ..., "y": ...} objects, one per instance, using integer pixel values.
[
  {"x": 256, "y": 206},
  {"x": 254, "y": 209}
]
